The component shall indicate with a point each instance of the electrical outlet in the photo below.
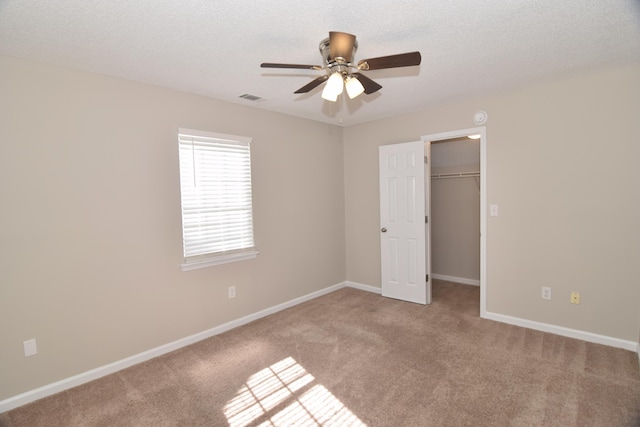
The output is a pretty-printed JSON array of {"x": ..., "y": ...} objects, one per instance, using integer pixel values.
[
  {"x": 232, "y": 291},
  {"x": 575, "y": 297},
  {"x": 546, "y": 293}
]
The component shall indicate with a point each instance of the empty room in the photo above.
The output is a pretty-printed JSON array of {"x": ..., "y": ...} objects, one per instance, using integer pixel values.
[{"x": 277, "y": 214}]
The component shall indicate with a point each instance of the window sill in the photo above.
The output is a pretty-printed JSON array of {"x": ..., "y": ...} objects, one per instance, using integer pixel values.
[{"x": 210, "y": 262}]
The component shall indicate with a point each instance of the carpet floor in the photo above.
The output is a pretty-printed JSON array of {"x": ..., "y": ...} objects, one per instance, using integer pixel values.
[{"x": 353, "y": 358}]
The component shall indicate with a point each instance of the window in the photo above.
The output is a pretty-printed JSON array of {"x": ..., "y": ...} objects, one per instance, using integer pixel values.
[{"x": 217, "y": 211}]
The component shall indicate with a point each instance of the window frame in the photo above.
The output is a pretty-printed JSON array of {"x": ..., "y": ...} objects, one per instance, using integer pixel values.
[{"x": 220, "y": 257}]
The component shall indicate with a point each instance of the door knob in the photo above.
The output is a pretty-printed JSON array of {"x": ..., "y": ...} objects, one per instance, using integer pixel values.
[{"x": 384, "y": 230}]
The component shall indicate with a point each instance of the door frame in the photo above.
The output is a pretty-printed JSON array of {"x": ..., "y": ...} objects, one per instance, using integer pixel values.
[{"x": 482, "y": 131}]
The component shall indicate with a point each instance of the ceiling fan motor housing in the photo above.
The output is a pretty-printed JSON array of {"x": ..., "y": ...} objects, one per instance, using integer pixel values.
[{"x": 330, "y": 62}]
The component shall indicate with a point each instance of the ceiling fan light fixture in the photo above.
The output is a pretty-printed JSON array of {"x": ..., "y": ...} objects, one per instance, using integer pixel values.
[
  {"x": 338, "y": 51},
  {"x": 328, "y": 96},
  {"x": 354, "y": 87},
  {"x": 333, "y": 88}
]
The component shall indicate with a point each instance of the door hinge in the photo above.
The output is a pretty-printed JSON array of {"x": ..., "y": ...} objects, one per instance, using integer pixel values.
[
  {"x": 427, "y": 277},
  {"x": 426, "y": 220}
]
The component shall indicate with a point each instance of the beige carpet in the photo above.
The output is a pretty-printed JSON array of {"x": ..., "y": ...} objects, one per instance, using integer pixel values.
[{"x": 355, "y": 358}]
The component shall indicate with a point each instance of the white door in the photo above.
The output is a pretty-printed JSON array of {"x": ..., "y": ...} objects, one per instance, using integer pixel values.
[
  {"x": 427, "y": 212},
  {"x": 403, "y": 235}
]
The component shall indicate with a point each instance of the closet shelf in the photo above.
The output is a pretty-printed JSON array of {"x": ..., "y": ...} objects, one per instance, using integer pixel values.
[{"x": 455, "y": 175}]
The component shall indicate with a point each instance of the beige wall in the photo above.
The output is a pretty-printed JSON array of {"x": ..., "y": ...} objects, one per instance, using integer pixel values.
[
  {"x": 90, "y": 220},
  {"x": 561, "y": 162},
  {"x": 455, "y": 223}
]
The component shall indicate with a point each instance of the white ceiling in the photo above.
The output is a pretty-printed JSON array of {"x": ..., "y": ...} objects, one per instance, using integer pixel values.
[{"x": 214, "y": 48}]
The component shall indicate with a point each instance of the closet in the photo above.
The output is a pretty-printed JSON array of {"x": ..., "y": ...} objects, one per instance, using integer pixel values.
[{"x": 455, "y": 210}]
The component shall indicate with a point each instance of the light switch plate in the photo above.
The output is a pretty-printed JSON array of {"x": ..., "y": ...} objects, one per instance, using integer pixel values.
[
  {"x": 493, "y": 210},
  {"x": 30, "y": 348}
]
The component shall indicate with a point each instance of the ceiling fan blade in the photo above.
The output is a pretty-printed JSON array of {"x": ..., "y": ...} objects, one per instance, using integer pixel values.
[
  {"x": 369, "y": 85},
  {"x": 341, "y": 45},
  {"x": 313, "y": 84},
  {"x": 299, "y": 66},
  {"x": 391, "y": 61}
]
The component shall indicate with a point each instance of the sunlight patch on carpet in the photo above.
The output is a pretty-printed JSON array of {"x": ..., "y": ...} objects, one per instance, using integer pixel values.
[{"x": 284, "y": 394}]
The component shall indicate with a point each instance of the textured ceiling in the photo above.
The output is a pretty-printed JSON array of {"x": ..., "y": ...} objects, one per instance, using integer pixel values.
[{"x": 214, "y": 48}]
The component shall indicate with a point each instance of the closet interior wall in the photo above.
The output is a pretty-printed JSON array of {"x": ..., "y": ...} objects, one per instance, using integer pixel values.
[{"x": 455, "y": 222}]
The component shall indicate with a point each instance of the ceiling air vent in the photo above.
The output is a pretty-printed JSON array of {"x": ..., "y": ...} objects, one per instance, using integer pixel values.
[{"x": 251, "y": 97}]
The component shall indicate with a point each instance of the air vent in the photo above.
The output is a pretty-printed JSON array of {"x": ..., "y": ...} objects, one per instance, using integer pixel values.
[{"x": 251, "y": 97}]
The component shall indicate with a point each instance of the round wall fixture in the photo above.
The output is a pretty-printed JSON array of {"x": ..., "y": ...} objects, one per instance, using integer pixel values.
[{"x": 480, "y": 117}]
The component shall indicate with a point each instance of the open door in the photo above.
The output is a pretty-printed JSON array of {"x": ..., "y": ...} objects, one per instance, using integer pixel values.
[
  {"x": 403, "y": 231},
  {"x": 427, "y": 217}
]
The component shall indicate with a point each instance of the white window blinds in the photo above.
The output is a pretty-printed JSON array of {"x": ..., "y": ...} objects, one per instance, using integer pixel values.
[{"x": 215, "y": 183}]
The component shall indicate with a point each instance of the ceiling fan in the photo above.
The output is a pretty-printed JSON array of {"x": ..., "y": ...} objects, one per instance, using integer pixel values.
[{"x": 337, "y": 53}]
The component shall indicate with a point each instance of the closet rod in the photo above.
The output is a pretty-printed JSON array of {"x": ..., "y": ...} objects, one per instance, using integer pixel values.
[{"x": 455, "y": 175}]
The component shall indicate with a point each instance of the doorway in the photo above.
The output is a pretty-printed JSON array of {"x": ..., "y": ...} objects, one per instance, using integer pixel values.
[
  {"x": 455, "y": 210},
  {"x": 458, "y": 163},
  {"x": 405, "y": 229}
]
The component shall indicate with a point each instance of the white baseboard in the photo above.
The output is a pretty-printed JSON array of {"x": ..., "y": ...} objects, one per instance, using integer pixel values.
[
  {"x": 462, "y": 280},
  {"x": 565, "y": 332},
  {"x": 76, "y": 380},
  {"x": 362, "y": 287}
]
